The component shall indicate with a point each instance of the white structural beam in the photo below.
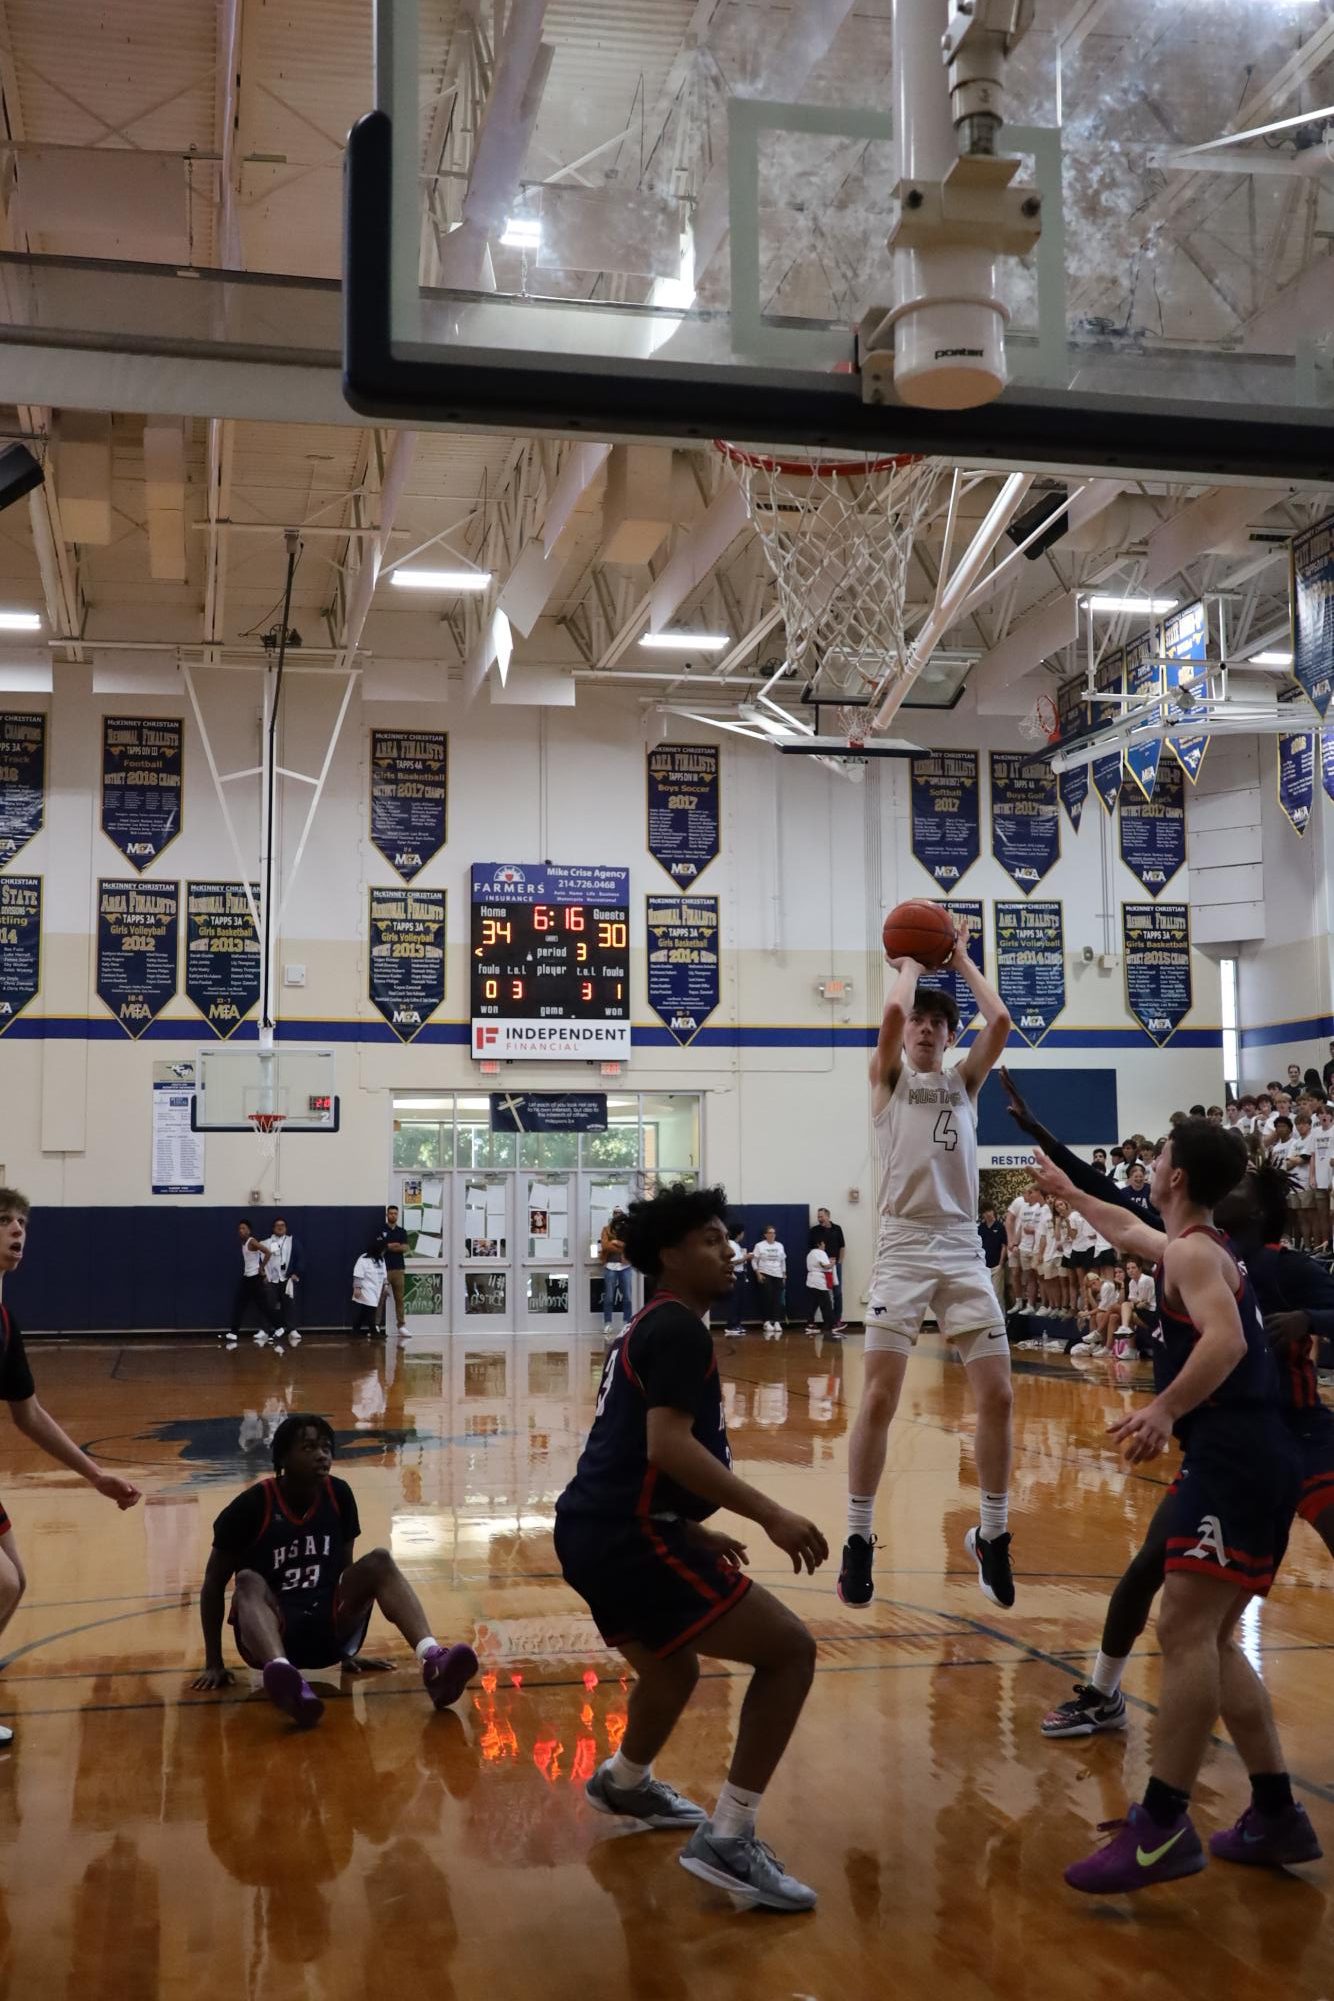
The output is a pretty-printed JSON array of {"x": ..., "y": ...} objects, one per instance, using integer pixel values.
[
  {"x": 397, "y": 470},
  {"x": 1031, "y": 640},
  {"x": 523, "y": 62},
  {"x": 1210, "y": 522}
]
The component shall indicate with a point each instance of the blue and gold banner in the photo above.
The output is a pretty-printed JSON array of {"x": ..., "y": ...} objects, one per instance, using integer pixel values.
[
  {"x": 1155, "y": 943},
  {"x": 407, "y": 957},
  {"x": 1327, "y": 763},
  {"x": 1296, "y": 778},
  {"x": 1030, "y": 965},
  {"x": 1141, "y": 671},
  {"x": 409, "y": 797},
  {"x": 950, "y": 981},
  {"x": 684, "y": 807},
  {"x": 946, "y": 799},
  {"x": 138, "y": 936},
  {"x": 1073, "y": 787},
  {"x": 684, "y": 964},
  {"x": 1108, "y": 777},
  {"x": 20, "y": 945},
  {"x": 222, "y": 953},
  {"x": 1153, "y": 831},
  {"x": 1025, "y": 817},
  {"x": 1313, "y": 612},
  {"x": 1186, "y": 641},
  {"x": 22, "y": 780},
  {"x": 143, "y": 777}
]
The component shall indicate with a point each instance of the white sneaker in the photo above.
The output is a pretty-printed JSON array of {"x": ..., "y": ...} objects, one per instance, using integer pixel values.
[
  {"x": 733, "y": 1333},
  {"x": 6, "y": 1734},
  {"x": 261, "y": 1338},
  {"x": 294, "y": 1338},
  {"x": 1083, "y": 1348}
]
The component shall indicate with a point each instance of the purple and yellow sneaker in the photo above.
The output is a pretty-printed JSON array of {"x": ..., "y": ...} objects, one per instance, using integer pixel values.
[
  {"x": 1271, "y": 1841},
  {"x": 288, "y": 1690},
  {"x": 446, "y": 1672},
  {"x": 1140, "y": 1854}
]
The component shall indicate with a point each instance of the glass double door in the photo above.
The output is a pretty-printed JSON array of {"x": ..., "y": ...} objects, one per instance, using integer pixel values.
[{"x": 528, "y": 1248}]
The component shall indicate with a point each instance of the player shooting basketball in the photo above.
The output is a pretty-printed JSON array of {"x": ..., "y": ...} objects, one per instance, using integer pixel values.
[{"x": 928, "y": 1254}]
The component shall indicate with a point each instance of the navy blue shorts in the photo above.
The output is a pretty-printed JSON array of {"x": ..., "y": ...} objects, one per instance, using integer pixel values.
[
  {"x": 310, "y": 1635},
  {"x": 1233, "y": 1502},
  {"x": 643, "y": 1582}
]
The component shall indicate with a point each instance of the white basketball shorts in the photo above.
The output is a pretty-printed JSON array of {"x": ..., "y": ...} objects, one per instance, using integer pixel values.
[{"x": 921, "y": 1270}]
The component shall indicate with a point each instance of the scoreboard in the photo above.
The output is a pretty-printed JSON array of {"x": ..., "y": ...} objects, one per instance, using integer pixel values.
[{"x": 550, "y": 962}]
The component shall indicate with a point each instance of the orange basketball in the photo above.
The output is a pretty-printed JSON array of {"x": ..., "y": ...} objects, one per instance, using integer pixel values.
[{"x": 919, "y": 930}]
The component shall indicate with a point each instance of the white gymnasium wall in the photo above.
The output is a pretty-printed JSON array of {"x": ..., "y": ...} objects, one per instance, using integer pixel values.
[
  {"x": 1284, "y": 981},
  {"x": 809, "y": 865}
]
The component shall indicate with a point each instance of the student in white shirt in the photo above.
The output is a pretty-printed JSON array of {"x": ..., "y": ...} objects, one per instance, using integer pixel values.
[
  {"x": 768, "y": 1261},
  {"x": 1139, "y": 1312},
  {"x": 1322, "y": 1171},
  {"x": 737, "y": 1305},
  {"x": 820, "y": 1286},
  {"x": 369, "y": 1279},
  {"x": 1301, "y": 1203},
  {"x": 252, "y": 1293},
  {"x": 1047, "y": 1257},
  {"x": 1024, "y": 1214}
]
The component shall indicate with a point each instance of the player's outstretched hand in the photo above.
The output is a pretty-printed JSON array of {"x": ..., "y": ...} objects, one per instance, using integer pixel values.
[
  {"x": 1142, "y": 1434},
  {"x": 729, "y": 1549},
  {"x": 367, "y": 1664},
  {"x": 797, "y": 1538},
  {"x": 211, "y": 1678},
  {"x": 1050, "y": 1178},
  {"x": 1017, "y": 1107},
  {"x": 123, "y": 1492}
]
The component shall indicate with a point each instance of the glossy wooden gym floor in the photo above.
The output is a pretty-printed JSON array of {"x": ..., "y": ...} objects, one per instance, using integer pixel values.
[{"x": 161, "y": 1843}]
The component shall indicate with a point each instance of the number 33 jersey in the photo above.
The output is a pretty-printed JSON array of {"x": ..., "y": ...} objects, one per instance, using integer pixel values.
[
  {"x": 299, "y": 1554},
  {"x": 926, "y": 1134}
]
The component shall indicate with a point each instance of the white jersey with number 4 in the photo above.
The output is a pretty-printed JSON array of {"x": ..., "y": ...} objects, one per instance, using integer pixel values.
[{"x": 927, "y": 1136}]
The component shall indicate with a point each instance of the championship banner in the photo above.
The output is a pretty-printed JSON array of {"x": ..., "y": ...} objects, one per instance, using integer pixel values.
[
  {"x": 1141, "y": 670},
  {"x": 1025, "y": 817},
  {"x": 1073, "y": 787},
  {"x": 1296, "y": 778},
  {"x": 684, "y": 969},
  {"x": 1327, "y": 763},
  {"x": 548, "y": 1112},
  {"x": 22, "y": 780},
  {"x": 409, "y": 797},
  {"x": 1186, "y": 639},
  {"x": 1108, "y": 777},
  {"x": 143, "y": 767},
  {"x": 684, "y": 799},
  {"x": 407, "y": 957},
  {"x": 1030, "y": 965},
  {"x": 138, "y": 935},
  {"x": 20, "y": 945},
  {"x": 1155, "y": 942},
  {"x": 946, "y": 800},
  {"x": 1313, "y": 612},
  {"x": 1153, "y": 831},
  {"x": 949, "y": 981},
  {"x": 222, "y": 954}
]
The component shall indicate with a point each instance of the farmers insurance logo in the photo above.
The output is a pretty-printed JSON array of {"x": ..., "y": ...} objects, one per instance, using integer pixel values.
[{"x": 509, "y": 878}]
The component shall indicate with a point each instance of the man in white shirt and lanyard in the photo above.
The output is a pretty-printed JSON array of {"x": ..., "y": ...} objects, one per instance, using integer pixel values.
[
  {"x": 282, "y": 1271},
  {"x": 929, "y": 1258}
]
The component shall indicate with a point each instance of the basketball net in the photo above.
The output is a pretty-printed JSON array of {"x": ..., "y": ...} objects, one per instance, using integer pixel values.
[
  {"x": 267, "y": 1128},
  {"x": 838, "y": 536},
  {"x": 1042, "y": 724}
]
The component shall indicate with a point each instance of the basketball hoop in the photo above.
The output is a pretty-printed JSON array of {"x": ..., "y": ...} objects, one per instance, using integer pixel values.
[
  {"x": 1042, "y": 724},
  {"x": 838, "y": 535},
  {"x": 267, "y": 1128}
]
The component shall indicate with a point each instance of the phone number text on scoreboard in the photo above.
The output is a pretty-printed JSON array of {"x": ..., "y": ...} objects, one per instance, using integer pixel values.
[{"x": 550, "y": 962}]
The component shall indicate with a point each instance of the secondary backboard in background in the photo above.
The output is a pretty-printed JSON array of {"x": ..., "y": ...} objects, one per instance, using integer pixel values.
[
  {"x": 667, "y": 219},
  {"x": 295, "y": 1083}
]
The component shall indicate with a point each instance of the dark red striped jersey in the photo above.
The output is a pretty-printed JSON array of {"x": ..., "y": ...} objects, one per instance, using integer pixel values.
[
  {"x": 1253, "y": 1384},
  {"x": 665, "y": 1359}
]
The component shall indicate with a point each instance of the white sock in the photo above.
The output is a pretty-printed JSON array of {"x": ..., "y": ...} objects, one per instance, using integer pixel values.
[
  {"x": 624, "y": 1773},
  {"x": 280, "y": 1660},
  {"x": 861, "y": 1514},
  {"x": 736, "y": 1810},
  {"x": 995, "y": 1516},
  {"x": 424, "y": 1647},
  {"x": 1107, "y": 1673}
]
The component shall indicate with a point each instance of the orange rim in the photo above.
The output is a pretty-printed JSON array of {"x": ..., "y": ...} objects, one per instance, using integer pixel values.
[{"x": 816, "y": 468}]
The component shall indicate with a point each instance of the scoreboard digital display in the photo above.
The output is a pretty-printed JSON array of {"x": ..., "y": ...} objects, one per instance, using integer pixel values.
[{"x": 550, "y": 962}]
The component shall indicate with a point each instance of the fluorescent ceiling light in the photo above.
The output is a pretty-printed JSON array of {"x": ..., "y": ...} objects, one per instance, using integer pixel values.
[
  {"x": 20, "y": 621},
  {"x": 441, "y": 580},
  {"x": 522, "y": 232},
  {"x": 687, "y": 642},
  {"x": 423, "y": 1104},
  {"x": 1269, "y": 660},
  {"x": 1130, "y": 604}
]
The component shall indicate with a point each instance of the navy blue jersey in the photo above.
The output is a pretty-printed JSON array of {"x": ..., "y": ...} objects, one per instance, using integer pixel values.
[
  {"x": 1253, "y": 1384},
  {"x": 664, "y": 1359},
  {"x": 16, "y": 1383},
  {"x": 1287, "y": 1282},
  {"x": 299, "y": 1556}
]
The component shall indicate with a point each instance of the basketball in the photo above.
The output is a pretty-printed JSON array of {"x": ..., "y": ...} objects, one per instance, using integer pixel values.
[{"x": 919, "y": 930}]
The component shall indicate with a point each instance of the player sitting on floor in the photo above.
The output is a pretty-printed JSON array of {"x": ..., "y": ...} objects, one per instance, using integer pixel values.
[
  {"x": 663, "y": 1589},
  {"x": 300, "y": 1599},
  {"x": 18, "y": 1390}
]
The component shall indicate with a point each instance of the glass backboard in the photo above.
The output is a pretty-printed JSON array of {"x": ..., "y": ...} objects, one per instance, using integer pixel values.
[
  {"x": 293, "y": 1083},
  {"x": 671, "y": 220}
]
